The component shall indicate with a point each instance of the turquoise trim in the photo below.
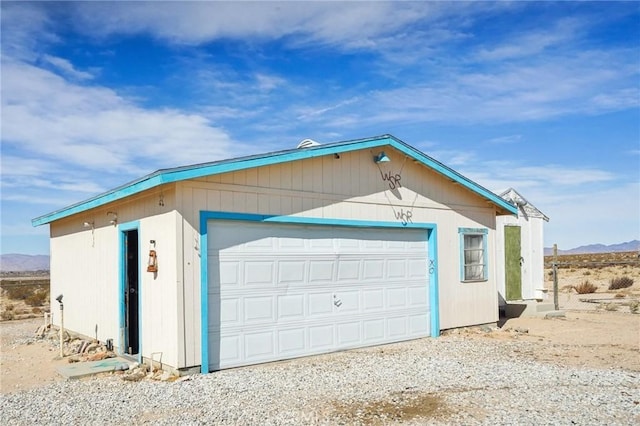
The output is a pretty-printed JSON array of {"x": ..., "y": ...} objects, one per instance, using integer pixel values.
[
  {"x": 434, "y": 296},
  {"x": 205, "y": 216},
  {"x": 484, "y": 231},
  {"x": 204, "y": 293},
  {"x": 485, "y": 256},
  {"x": 167, "y": 176},
  {"x": 122, "y": 228}
]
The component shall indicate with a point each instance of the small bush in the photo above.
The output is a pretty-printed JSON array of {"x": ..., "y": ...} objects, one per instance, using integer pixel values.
[
  {"x": 634, "y": 306},
  {"x": 611, "y": 307},
  {"x": 620, "y": 282},
  {"x": 620, "y": 295},
  {"x": 586, "y": 273},
  {"x": 18, "y": 292},
  {"x": 7, "y": 315},
  {"x": 585, "y": 287},
  {"x": 37, "y": 298}
]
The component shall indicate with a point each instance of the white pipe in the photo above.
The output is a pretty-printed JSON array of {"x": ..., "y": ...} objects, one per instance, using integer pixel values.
[{"x": 61, "y": 329}]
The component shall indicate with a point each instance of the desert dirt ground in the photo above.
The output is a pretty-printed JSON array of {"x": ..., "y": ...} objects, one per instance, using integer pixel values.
[{"x": 600, "y": 329}]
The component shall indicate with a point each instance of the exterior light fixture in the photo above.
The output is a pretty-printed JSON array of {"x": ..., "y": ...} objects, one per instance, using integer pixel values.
[
  {"x": 381, "y": 158},
  {"x": 114, "y": 218}
]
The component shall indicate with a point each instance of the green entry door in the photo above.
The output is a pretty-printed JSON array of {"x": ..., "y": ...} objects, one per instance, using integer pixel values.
[{"x": 512, "y": 259}]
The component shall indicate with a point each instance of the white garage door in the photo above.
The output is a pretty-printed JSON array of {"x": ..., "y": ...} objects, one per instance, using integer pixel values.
[{"x": 283, "y": 291}]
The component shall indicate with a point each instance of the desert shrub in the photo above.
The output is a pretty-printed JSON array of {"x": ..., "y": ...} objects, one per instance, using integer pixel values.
[
  {"x": 611, "y": 307},
  {"x": 7, "y": 315},
  {"x": 620, "y": 282},
  {"x": 585, "y": 287},
  {"x": 37, "y": 298},
  {"x": 36, "y": 310},
  {"x": 586, "y": 273},
  {"x": 620, "y": 295},
  {"x": 634, "y": 306},
  {"x": 20, "y": 292}
]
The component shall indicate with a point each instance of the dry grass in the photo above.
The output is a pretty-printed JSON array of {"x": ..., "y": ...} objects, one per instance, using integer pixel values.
[
  {"x": 601, "y": 269},
  {"x": 585, "y": 287},
  {"x": 397, "y": 407},
  {"x": 23, "y": 297},
  {"x": 618, "y": 283}
]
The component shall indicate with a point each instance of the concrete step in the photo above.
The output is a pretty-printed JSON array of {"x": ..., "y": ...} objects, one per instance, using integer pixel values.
[
  {"x": 527, "y": 308},
  {"x": 545, "y": 307}
]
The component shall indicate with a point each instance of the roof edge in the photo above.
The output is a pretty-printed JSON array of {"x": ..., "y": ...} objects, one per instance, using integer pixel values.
[{"x": 164, "y": 176}]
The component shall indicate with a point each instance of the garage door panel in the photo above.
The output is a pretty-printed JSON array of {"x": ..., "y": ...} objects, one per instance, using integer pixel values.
[
  {"x": 228, "y": 271},
  {"x": 258, "y": 309},
  {"x": 373, "y": 269},
  {"x": 288, "y": 243},
  {"x": 321, "y": 271},
  {"x": 346, "y": 302},
  {"x": 258, "y": 274},
  {"x": 396, "y": 268},
  {"x": 418, "y": 297},
  {"x": 291, "y": 272},
  {"x": 292, "y": 341},
  {"x": 418, "y": 323},
  {"x": 321, "y": 337},
  {"x": 349, "y": 333},
  {"x": 396, "y": 327},
  {"x": 320, "y": 304},
  {"x": 396, "y": 298},
  {"x": 373, "y": 330},
  {"x": 259, "y": 346},
  {"x": 417, "y": 268},
  {"x": 230, "y": 349},
  {"x": 291, "y": 307},
  {"x": 300, "y": 290},
  {"x": 229, "y": 311},
  {"x": 348, "y": 270}
]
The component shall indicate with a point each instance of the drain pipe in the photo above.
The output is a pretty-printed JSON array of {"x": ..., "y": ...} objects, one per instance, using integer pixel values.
[{"x": 59, "y": 299}]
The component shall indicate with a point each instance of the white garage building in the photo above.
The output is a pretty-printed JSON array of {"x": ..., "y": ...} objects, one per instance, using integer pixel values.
[{"x": 281, "y": 255}]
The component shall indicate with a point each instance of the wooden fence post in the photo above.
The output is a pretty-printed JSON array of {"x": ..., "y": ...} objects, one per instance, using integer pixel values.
[{"x": 556, "y": 304}]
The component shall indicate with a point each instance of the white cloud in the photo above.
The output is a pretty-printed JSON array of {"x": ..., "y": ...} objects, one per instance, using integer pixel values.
[
  {"x": 526, "y": 44},
  {"x": 95, "y": 127},
  {"x": 67, "y": 68},
  {"x": 353, "y": 24},
  {"x": 604, "y": 216},
  {"x": 593, "y": 82},
  {"x": 504, "y": 140}
]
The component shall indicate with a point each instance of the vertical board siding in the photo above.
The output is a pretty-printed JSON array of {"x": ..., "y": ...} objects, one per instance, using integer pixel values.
[
  {"x": 351, "y": 188},
  {"x": 89, "y": 276}
]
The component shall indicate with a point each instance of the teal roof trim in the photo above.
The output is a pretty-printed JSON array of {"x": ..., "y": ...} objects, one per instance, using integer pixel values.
[{"x": 178, "y": 174}]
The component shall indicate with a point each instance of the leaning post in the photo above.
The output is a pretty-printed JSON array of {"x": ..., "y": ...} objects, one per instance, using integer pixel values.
[{"x": 556, "y": 304}]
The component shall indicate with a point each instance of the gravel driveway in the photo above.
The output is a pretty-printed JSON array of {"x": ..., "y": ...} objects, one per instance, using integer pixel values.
[{"x": 449, "y": 380}]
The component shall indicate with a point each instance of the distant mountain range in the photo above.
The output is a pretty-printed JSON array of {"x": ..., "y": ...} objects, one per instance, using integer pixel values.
[
  {"x": 598, "y": 248},
  {"x": 23, "y": 262}
]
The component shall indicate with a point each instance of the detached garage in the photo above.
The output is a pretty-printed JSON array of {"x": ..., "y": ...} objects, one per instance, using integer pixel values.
[{"x": 269, "y": 257}]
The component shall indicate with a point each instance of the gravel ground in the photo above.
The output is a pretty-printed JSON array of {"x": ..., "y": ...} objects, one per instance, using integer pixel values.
[{"x": 449, "y": 380}]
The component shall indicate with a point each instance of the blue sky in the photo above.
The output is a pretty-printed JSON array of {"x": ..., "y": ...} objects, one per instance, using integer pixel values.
[{"x": 543, "y": 97}]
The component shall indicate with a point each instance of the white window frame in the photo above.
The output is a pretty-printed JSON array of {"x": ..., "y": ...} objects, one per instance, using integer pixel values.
[{"x": 482, "y": 232}]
